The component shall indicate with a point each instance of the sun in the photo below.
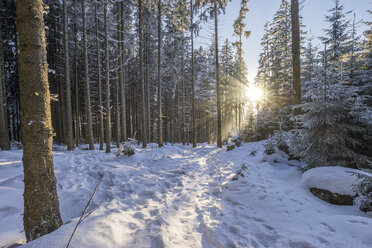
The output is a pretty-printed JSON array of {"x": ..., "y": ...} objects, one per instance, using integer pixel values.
[{"x": 253, "y": 93}]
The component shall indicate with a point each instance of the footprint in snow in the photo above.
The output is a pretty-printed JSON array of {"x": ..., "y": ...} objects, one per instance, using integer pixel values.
[
  {"x": 253, "y": 218},
  {"x": 235, "y": 230},
  {"x": 132, "y": 226},
  {"x": 8, "y": 181},
  {"x": 157, "y": 241},
  {"x": 358, "y": 221},
  {"x": 262, "y": 197},
  {"x": 138, "y": 215},
  {"x": 323, "y": 241},
  {"x": 7, "y": 211},
  {"x": 269, "y": 227},
  {"x": 328, "y": 226},
  {"x": 296, "y": 201}
]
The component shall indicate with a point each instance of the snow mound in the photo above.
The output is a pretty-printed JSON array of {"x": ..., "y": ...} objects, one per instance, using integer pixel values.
[{"x": 335, "y": 179}]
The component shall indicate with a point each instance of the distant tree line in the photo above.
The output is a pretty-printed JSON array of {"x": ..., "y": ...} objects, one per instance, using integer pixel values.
[{"x": 124, "y": 68}]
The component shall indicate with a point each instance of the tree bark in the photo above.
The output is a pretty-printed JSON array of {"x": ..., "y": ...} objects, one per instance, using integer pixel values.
[
  {"x": 123, "y": 114},
  {"x": 61, "y": 99},
  {"x": 193, "y": 126},
  {"x": 148, "y": 88},
  {"x": 77, "y": 109},
  {"x": 240, "y": 83},
  {"x": 107, "y": 87},
  {"x": 118, "y": 79},
  {"x": 183, "y": 94},
  {"x": 296, "y": 51},
  {"x": 160, "y": 131},
  {"x": 117, "y": 108},
  {"x": 69, "y": 138},
  {"x": 219, "y": 119},
  {"x": 4, "y": 131},
  {"x": 88, "y": 111},
  {"x": 100, "y": 107},
  {"x": 143, "y": 107},
  {"x": 41, "y": 207}
]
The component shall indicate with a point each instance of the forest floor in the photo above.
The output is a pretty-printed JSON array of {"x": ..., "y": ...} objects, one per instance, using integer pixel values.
[{"x": 177, "y": 196}]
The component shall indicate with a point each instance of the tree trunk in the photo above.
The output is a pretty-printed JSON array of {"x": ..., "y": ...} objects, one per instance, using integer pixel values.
[
  {"x": 107, "y": 87},
  {"x": 219, "y": 120},
  {"x": 69, "y": 139},
  {"x": 100, "y": 105},
  {"x": 148, "y": 89},
  {"x": 4, "y": 131},
  {"x": 296, "y": 51},
  {"x": 131, "y": 111},
  {"x": 207, "y": 128},
  {"x": 118, "y": 79},
  {"x": 117, "y": 108},
  {"x": 17, "y": 125},
  {"x": 123, "y": 108},
  {"x": 77, "y": 112},
  {"x": 61, "y": 101},
  {"x": 240, "y": 51},
  {"x": 143, "y": 107},
  {"x": 41, "y": 207},
  {"x": 325, "y": 71},
  {"x": 160, "y": 131},
  {"x": 171, "y": 115},
  {"x": 193, "y": 126},
  {"x": 88, "y": 111},
  {"x": 183, "y": 94}
]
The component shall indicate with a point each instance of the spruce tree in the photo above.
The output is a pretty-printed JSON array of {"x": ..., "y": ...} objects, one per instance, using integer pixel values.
[
  {"x": 364, "y": 74},
  {"x": 160, "y": 123},
  {"x": 68, "y": 109},
  {"x": 88, "y": 111},
  {"x": 296, "y": 52},
  {"x": 4, "y": 132},
  {"x": 336, "y": 130},
  {"x": 107, "y": 85},
  {"x": 41, "y": 207},
  {"x": 239, "y": 31},
  {"x": 101, "y": 131}
]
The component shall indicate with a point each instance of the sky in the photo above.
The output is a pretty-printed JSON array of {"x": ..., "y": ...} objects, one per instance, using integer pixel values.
[{"x": 261, "y": 11}]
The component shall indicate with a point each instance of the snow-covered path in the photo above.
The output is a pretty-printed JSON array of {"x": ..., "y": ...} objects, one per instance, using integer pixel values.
[{"x": 177, "y": 196}]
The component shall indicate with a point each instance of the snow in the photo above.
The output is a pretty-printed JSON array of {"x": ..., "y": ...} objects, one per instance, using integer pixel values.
[
  {"x": 177, "y": 196},
  {"x": 336, "y": 179}
]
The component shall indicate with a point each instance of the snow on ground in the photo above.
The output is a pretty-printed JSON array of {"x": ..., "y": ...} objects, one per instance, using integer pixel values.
[{"x": 177, "y": 196}]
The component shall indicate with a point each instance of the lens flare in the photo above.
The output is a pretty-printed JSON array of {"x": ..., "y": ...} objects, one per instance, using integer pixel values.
[{"x": 254, "y": 94}]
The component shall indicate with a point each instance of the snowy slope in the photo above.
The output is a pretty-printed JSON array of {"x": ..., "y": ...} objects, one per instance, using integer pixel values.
[{"x": 177, "y": 196}]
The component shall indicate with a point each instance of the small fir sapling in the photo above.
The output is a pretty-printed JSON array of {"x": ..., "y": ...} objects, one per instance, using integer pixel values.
[
  {"x": 363, "y": 188},
  {"x": 243, "y": 168},
  {"x": 277, "y": 141},
  {"x": 269, "y": 145},
  {"x": 125, "y": 148}
]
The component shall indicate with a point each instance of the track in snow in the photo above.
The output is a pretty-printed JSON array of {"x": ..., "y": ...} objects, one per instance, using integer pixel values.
[{"x": 177, "y": 196}]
